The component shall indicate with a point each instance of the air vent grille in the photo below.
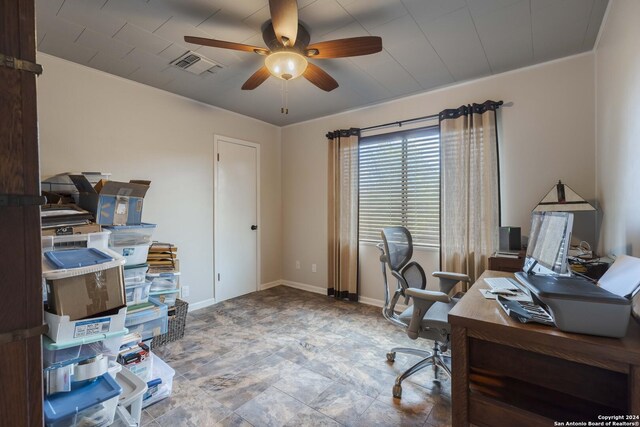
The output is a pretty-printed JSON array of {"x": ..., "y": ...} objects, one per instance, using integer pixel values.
[
  {"x": 196, "y": 63},
  {"x": 187, "y": 61}
]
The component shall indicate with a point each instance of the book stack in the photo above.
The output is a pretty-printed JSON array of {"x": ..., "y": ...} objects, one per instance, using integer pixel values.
[{"x": 163, "y": 258}]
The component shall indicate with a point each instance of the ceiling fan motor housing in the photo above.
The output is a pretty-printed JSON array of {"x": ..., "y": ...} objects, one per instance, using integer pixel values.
[{"x": 270, "y": 39}]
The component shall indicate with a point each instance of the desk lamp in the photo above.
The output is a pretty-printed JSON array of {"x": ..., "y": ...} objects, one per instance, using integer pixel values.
[{"x": 561, "y": 198}]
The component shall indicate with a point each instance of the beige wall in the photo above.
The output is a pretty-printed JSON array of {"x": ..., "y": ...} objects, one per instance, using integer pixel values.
[
  {"x": 93, "y": 121},
  {"x": 618, "y": 128},
  {"x": 546, "y": 134}
]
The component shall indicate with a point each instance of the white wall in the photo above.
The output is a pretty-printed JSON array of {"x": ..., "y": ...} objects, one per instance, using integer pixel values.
[
  {"x": 546, "y": 134},
  {"x": 618, "y": 128},
  {"x": 89, "y": 120},
  {"x": 618, "y": 131}
]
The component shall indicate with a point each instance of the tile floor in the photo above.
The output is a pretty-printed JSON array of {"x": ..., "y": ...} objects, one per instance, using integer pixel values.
[{"x": 286, "y": 357}]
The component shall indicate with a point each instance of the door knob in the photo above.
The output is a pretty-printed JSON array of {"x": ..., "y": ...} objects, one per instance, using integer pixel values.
[{"x": 254, "y": 227}]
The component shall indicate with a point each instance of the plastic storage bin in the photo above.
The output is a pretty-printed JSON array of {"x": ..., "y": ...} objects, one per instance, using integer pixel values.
[
  {"x": 131, "y": 235},
  {"x": 137, "y": 294},
  {"x": 60, "y": 354},
  {"x": 163, "y": 281},
  {"x": 131, "y": 241},
  {"x": 63, "y": 331},
  {"x": 150, "y": 322},
  {"x": 92, "y": 405},
  {"x": 130, "y": 401},
  {"x": 92, "y": 240},
  {"x": 161, "y": 384},
  {"x": 166, "y": 297},
  {"x": 135, "y": 274}
]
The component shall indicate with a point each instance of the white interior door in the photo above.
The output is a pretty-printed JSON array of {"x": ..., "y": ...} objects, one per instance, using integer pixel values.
[{"x": 236, "y": 218}]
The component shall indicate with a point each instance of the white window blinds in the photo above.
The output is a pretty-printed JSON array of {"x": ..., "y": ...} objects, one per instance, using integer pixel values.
[{"x": 400, "y": 184}]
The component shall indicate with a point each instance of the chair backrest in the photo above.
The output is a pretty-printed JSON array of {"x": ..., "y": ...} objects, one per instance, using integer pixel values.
[
  {"x": 397, "y": 250},
  {"x": 398, "y": 247}
]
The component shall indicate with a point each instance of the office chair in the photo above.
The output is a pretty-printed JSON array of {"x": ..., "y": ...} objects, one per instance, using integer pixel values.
[{"x": 427, "y": 317}]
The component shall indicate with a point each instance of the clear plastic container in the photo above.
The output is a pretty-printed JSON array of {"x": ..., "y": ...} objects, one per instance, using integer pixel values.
[
  {"x": 133, "y": 254},
  {"x": 137, "y": 294},
  {"x": 92, "y": 405},
  {"x": 135, "y": 274},
  {"x": 166, "y": 297},
  {"x": 161, "y": 384},
  {"x": 57, "y": 355},
  {"x": 149, "y": 323},
  {"x": 131, "y": 235},
  {"x": 74, "y": 241},
  {"x": 163, "y": 281}
]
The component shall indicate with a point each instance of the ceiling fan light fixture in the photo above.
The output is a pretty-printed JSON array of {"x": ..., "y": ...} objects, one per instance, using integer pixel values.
[{"x": 286, "y": 65}]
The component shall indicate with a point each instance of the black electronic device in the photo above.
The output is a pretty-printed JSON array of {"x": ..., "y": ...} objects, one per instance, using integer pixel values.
[
  {"x": 525, "y": 312},
  {"x": 509, "y": 239}
]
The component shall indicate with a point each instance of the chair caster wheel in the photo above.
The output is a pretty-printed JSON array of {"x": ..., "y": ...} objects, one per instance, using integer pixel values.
[
  {"x": 397, "y": 391},
  {"x": 391, "y": 356}
]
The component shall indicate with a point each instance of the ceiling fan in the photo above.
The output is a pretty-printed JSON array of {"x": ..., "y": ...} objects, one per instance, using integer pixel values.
[{"x": 288, "y": 49}]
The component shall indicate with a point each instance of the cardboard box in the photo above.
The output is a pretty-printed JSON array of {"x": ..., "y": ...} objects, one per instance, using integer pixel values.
[
  {"x": 69, "y": 230},
  {"x": 86, "y": 295},
  {"x": 112, "y": 202}
]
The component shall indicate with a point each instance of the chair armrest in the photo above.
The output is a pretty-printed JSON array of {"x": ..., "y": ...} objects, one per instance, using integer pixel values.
[
  {"x": 451, "y": 276},
  {"x": 424, "y": 295},
  {"x": 422, "y": 301}
]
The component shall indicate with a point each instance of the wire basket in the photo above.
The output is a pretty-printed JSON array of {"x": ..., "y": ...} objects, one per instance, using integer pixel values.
[{"x": 177, "y": 323}]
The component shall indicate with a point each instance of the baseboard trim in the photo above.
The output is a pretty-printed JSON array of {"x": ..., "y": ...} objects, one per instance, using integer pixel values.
[
  {"x": 305, "y": 287},
  {"x": 201, "y": 304},
  {"x": 273, "y": 284},
  {"x": 379, "y": 303}
]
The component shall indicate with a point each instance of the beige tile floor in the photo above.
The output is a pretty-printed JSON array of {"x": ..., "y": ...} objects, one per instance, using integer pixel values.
[{"x": 285, "y": 357}]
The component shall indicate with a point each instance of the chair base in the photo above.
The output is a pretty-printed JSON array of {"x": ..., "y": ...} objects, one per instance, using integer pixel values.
[{"x": 430, "y": 358}]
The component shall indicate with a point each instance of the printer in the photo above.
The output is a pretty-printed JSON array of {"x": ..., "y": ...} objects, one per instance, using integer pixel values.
[{"x": 578, "y": 305}]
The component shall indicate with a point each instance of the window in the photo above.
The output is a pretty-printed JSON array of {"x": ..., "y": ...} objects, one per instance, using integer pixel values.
[{"x": 400, "y": 184}]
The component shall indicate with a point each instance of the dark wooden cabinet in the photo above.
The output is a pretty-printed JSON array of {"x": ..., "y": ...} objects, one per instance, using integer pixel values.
[
  {"x": 508, "y": 265},
  {"x": 20, "y": 257}
]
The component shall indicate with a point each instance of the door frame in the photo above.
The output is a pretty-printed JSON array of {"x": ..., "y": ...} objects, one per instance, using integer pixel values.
[{"x": 216, "y": 139}]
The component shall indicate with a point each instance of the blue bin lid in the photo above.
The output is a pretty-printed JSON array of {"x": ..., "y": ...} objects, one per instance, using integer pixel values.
[
  {"x": 75, "y": 258},
  {"x": 128, "y": 227},
  {"x": 66, "y": 404}
]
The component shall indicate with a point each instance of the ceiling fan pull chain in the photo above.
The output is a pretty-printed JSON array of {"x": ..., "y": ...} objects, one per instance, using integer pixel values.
[
  {"x": 286, "y": 97},
  {"x": 282, "y": 98}
]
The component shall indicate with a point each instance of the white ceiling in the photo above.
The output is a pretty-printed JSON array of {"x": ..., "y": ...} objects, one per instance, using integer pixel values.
[{"x": 427, "y": 44}]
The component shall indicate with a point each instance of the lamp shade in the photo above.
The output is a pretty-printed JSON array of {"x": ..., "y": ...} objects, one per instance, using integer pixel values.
[
  {"x": 561, "y": 198},
  {"x": 285, "y": 65}
]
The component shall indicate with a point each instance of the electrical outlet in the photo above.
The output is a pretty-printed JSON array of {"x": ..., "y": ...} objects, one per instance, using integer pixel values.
[
  {"x": 185, "y": 291},
  {"x": 297, "y": 265},
  {"x": 314, "y": 268}
]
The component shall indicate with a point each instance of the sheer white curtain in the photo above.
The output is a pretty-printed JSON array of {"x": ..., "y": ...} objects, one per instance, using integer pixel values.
[
  {"x": 343, "y": 213},
  {"x": 470, "y": 190}
]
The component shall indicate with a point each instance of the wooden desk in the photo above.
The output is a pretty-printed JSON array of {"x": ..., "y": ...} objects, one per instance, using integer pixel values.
[{"x": 509, "y": 373}]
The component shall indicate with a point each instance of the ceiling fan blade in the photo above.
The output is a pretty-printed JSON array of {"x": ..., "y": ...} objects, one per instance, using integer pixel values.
[
  {"x": 225, "y": 45},
  {"x": 320, "y": 78},
  {"x": 256, "y": 79},
  {"x": 341, "y": 48},
  {"x": 284, "y": 17}
]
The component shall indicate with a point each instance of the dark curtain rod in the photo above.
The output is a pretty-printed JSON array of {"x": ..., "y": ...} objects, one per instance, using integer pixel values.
[{"x": 402, "y": 122}]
